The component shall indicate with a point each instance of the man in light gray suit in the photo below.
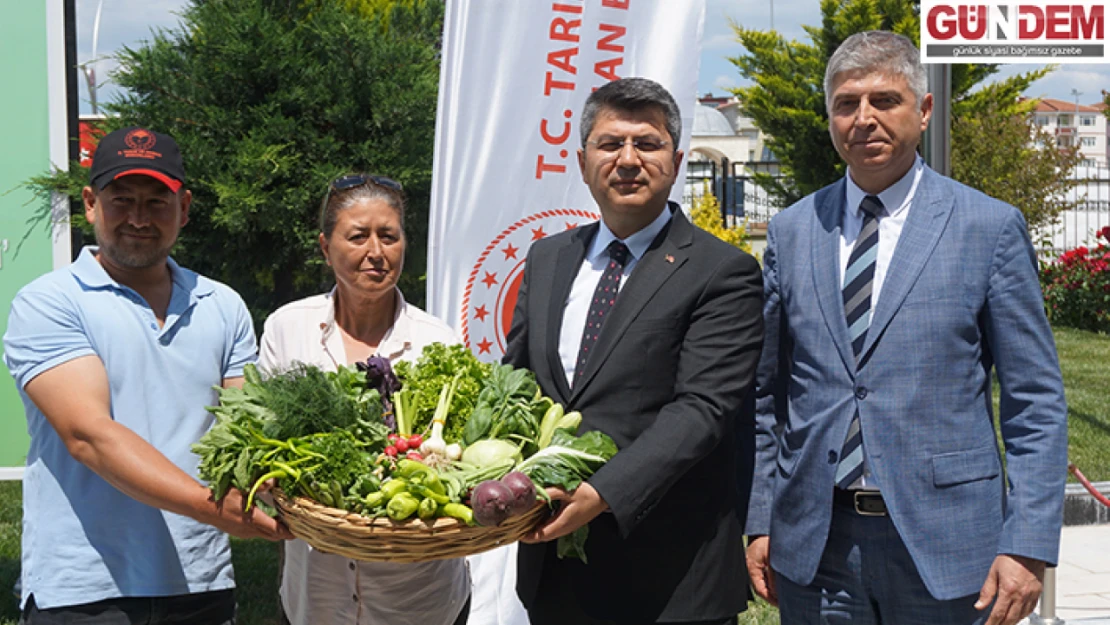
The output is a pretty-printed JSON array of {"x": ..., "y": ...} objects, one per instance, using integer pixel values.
[{"x": 879, "y": 494}]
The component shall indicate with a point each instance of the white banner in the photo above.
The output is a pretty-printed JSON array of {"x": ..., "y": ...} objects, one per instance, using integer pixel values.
[{"x": 515, "y": 76}]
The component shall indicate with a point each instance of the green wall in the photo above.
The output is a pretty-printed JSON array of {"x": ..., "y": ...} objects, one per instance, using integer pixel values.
[{"x": 24, "y": 152}]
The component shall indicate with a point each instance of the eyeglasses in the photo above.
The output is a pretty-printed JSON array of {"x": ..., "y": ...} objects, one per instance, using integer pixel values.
[
  {"x": 642, "y": 145},
  {"x": 357, "y": 180}
]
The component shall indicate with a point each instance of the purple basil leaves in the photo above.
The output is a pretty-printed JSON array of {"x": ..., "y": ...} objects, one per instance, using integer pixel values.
[{"x": 380, "y": 377}]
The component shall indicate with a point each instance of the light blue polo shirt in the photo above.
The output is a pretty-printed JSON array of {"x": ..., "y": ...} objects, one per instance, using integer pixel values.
[{"x": 84, "y": 540}]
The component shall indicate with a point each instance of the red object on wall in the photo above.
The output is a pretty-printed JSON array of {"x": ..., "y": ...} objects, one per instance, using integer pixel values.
[{"x": 89, "y": 136}]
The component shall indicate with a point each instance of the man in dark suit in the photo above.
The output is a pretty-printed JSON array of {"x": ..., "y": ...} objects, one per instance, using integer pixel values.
[
  {"x": 880, "y": 496},
  {"x": 662, "y": 367}
]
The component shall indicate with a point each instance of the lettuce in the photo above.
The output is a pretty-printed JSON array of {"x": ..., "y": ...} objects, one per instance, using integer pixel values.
[{"x": 423, "y": 380}]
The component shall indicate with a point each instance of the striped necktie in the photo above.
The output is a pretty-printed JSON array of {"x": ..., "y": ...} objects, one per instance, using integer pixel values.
[{"x": 858, "y": 279}]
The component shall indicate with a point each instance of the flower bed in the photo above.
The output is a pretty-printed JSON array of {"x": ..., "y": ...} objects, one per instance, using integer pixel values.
[{"x": 1077, "y": 286}]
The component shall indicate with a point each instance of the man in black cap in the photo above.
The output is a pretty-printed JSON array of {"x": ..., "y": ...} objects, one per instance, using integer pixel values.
[{"x": 115, "y": 357}]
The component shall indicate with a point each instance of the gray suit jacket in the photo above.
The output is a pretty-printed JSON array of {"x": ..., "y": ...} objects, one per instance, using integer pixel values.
[
  {"x": 961, "y": 297},
  {"x": 666, "y": 380}
]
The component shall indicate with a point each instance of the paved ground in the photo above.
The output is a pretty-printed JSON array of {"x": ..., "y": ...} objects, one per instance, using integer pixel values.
[{"x": 1083, "y": 576}]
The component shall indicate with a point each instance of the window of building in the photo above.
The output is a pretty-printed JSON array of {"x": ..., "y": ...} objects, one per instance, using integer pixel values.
[
  {"x": 1087, "y": 162},
  {"x": 1042, "y": 120},
  {"x": 1063, "y": 120},
  {"x": 1087, "y": 142},
  {"x": 1064, "y": 142},
  {"x": 1087, "y": 120}
]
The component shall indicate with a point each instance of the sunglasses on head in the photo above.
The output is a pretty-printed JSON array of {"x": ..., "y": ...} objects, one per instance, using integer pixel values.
[{"x": 357, "y": 180}]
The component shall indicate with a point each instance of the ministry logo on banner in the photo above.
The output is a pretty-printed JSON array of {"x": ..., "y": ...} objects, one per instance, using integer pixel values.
[{"x": 960, "y": 31}]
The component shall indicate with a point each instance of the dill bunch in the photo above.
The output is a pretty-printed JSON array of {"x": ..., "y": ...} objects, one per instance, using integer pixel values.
[{"x": 306, "y": 401}]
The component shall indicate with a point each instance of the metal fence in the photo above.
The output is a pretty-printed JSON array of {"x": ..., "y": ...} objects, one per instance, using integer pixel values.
[
  {"x": 733, "y": 184},
  {"x": 1077, "y": 227}
]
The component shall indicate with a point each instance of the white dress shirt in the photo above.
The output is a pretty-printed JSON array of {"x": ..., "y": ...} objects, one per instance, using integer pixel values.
[
  {"x": 896, "y": 201},
  {"x": 320, "y": 588},
  {"x": 589, "y": 274}
]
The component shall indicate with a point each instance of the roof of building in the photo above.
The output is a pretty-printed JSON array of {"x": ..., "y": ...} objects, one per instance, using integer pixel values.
[
  {"x": 715, "y": 100},
  {"x": 1051, "y": 105},
  {"x": 709, "y": 122}
]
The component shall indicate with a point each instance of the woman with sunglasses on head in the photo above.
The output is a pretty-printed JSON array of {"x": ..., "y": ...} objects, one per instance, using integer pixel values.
[{"x": 363, "y": 241}]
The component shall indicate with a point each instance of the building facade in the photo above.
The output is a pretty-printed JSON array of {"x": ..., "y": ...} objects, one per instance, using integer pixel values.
[
  {"x": 1076, "y": 124},
  {"x": 726, "y": 150}
]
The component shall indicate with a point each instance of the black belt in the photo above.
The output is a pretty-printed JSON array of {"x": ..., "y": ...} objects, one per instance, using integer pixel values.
[{"x": 863, "y": 502}]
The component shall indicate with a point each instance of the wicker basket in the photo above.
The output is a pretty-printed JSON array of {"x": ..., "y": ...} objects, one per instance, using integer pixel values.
[{"x": 383, "y": 540}]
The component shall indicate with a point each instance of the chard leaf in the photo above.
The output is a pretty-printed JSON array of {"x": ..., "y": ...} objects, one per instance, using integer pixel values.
[
  {"x": 561, "y": 464},
  {"x": 595, "y": 442},
  {"x": 573, "y": 545}
]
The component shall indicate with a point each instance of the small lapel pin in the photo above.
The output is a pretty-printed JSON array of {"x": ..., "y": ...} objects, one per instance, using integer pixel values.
[{"x": 669, "y": 258}]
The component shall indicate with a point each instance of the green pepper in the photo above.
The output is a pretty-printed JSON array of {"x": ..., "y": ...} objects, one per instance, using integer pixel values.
[
  {"x": 452, "y": 487},
  {"x": 336, "y": 493},
  {"x": 421, "y": 490},
  {"x": 428, "y": 508},
  {"x": 391, "y": 488},
  {"x": 323, "y": 496},
  {"x": 434, "y": 484},
  {"x": 409, "y": 468},
  {"x": 402, "y": 506},
  {"x": 373, "y": 500},
  {"x": 460, "y": 512}
]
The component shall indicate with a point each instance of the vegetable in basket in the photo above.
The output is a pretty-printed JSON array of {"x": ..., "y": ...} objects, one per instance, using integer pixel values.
[
  {"x": 495, "y": 501},
  {"x": 489, "y": 452},
  {"x": 423, "y": 382},
  {"x": 509, "y": 407},
  {"x": 315, "y": 432},
  {"x": 569, "y": 460},
  {"x": 523, "y": 492},
  {"x": 342, "y": 455},
  {"x": 566, "y": 463}
]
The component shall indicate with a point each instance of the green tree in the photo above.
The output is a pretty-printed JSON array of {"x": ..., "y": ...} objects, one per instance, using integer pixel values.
[
  {"x": 787, "y": 101},
  {"x": 1009, "y": 157},
  {"x": 270, "y": 100}
]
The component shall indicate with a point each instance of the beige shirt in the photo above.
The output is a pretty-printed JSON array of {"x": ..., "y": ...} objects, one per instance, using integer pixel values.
[{"x": 320, "y": 588}]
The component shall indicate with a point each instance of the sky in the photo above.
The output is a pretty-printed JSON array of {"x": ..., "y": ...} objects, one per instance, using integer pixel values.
[
  {"x": 719, "y": 43},
  {"x": 129, "y": 22}
]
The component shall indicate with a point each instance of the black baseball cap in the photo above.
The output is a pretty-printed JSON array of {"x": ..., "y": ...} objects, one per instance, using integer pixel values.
[{"x": 137, "y": 151}]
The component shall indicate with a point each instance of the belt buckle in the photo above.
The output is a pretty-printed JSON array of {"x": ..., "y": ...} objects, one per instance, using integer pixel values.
[{"x": 857, "y": 495}]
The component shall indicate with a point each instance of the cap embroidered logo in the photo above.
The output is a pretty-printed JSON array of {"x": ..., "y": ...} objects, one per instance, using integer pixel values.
[{"x": 141, "y": 142}]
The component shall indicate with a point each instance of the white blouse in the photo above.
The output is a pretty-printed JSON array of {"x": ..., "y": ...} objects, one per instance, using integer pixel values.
[{"x": 320, "y": 588}]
